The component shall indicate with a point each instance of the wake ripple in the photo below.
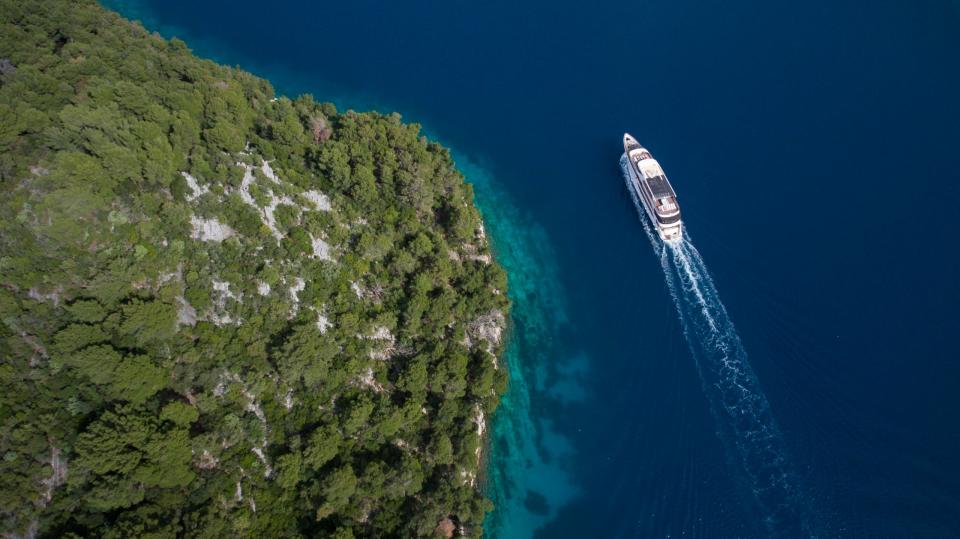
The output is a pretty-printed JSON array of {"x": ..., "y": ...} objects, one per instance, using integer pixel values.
[{"x": 745, "y": 423}]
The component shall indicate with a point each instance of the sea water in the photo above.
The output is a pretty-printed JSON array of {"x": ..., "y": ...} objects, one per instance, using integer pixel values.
[{"x": 813, "y": 149}]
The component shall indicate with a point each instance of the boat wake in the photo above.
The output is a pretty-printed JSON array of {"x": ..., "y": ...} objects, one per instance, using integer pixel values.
[{"x": 745, "y": 423}]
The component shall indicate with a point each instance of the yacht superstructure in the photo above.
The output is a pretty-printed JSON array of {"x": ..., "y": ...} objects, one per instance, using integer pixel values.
[{"x": 654, "y": 190}]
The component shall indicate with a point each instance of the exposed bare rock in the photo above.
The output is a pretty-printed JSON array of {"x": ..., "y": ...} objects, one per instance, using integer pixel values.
[
  {"x": 210, "y": 229},
  {"x": 53, "y": 296},
  {"x": 321, "y": 130},
  {"x": 196, "y": 190},
  {"x": 298, "y": 286},
  {"x": 357, "y": 289},
  {"x": 367, "y": 380},
  {"x": 374, "y": 292},
  {"x": 468, "y": 477},
  {"x": 175, "y": 275},
  {"x": 206, "y": 461},
  {"x": 224, "y": 288},
  {"x": 472, "y": 252},
  {"x": 218, "y": 313},
  {"x": 186, "y": 314},
  {"x": 384, "y": 353},
  {"x": 319, "y": 200},
  {"x": 323, "y": 321},
  {"x": 388, "y": 349},
  {"x": 58, "y": 475},
  {"x": 39, "y": 351},
  {"x": 487, "y": 328},
  {"x": 267, "y": 213},
  {"x": 445, "y": 527},
  {"x": 238, "y": 492},
  {"x": 481, "y": 420},
  {"x": 262, "y": 457},
  {"x": 321, "y": 249},
  {"x": 252, "y": 406},
  {"x": 381, "y": 333},
  {"x": 7, "y": 67},
  {"x": 269, "y": 173}
]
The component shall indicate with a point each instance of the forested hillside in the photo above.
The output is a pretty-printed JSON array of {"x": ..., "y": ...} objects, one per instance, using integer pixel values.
[{"x": 227, "y": 314}]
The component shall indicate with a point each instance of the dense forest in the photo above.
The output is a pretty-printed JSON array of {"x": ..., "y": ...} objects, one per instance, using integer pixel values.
[{"x": 225, "y": 313}]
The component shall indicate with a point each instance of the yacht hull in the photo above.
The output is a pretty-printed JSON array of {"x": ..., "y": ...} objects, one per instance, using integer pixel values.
[{"x": 650, "y": 185}]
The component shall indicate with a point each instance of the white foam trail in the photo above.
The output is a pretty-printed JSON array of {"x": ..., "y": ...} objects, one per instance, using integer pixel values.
[
  {"x": 692, "y": 282},
  {"x": 745, "y": 422}
]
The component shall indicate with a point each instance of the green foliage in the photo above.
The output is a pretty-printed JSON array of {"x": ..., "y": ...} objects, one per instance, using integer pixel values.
[
  {"x": 136, "y": 379},
  {"x": 123, "y": 455},
  {"x": 176, "y": 360},
  {"x": 323, "y": 447},
  {"x": 179, "y": 413},
  {"x": 148, "y": 322},
  {"x": 77, "y": 336},
  {"x": 338, "y": 487},
  {"x": 87, "y": 310}
]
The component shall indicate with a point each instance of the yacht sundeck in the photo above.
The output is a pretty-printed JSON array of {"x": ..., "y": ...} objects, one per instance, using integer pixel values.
[{"x": 654, "y": 190}]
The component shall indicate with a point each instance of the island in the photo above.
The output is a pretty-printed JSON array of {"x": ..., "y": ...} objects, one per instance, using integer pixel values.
[{"x": 227, "y": 313}]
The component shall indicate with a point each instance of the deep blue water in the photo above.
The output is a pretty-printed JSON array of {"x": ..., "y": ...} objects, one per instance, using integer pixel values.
[{"x": 814, "y": 146}]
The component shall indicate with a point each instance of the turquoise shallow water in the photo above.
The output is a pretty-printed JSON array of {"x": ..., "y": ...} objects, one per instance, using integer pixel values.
[
  {"x": 527, "y": 454},
  {"x": 813, "y": 149}
]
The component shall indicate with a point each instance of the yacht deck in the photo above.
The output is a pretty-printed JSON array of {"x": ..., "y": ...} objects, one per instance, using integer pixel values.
[{"x": 660, "y": 187}]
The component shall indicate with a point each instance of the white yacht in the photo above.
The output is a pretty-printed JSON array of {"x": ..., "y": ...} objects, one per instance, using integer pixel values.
[{"x": 654, "y": 190}]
